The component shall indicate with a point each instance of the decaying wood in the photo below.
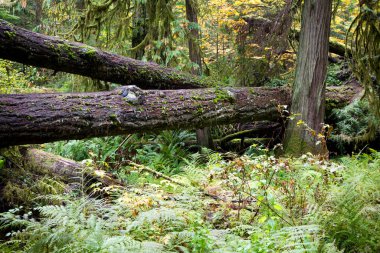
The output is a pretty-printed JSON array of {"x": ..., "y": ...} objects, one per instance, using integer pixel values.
[
  {"x": 261, "y": 129},
  {"x": 40, "y": 118},
  {"x": 334, "y": 46},
  {"x": 67, "y": 170},
  {"x": 20, "y": 45}
]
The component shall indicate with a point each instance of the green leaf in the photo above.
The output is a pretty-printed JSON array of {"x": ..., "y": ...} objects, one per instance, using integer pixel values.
[
  {"x": 277, "y": 207},
  {"x": 262, "y": 219}
]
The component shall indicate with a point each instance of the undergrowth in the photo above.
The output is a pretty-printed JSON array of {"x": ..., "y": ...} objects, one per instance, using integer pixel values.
[{"x": 251, "y": 203}]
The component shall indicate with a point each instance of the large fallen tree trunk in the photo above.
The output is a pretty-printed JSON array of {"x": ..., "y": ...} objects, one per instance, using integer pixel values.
[
  {"x": 20, "y": 45},
  {"x": 40, "y": 118}
]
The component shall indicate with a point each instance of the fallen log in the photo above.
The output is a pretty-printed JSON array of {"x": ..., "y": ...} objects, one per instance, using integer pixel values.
[
  {"x": 30, "y": 175},
  {"x": 23, "y": 46},
  {"x": 40, "y": 118},
  {"x": 66, "y": 170},
  {"x": 334, "y": 46},
  {"x": 258, "y": 129}
]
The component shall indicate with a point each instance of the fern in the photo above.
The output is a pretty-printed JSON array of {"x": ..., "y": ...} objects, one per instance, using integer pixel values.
[
  {"x": 167, "y": 152},
  {"x": 84, "y": 225},
  {"x": 353, "y": 207},
  {"x": 162, "y": 217}
]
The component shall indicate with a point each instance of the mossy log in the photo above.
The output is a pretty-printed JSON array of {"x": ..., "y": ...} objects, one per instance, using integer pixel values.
[
  {"x": 30, "y": 174},
  {"x": 40, "y": 118},
  {"x": 263, "y": 128},
  {"x": 20, "y": 45},
  {"x": 66, "y": 170},
  {"x": 334, "y": 46}
]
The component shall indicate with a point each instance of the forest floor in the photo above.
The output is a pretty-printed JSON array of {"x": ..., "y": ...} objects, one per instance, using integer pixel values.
[{"x": 250, "y": 203}]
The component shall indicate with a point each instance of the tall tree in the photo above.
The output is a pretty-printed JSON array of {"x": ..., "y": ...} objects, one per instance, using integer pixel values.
[
  {"x": 308, "y": 101},
  {"x": 203, "y": 135},
  {"x": 38, "y": 11},
  {"x": 139, "y": 30}
]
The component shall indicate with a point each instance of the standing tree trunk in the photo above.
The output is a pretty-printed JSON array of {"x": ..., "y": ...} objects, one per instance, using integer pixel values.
[
  {"x": 39, "y": 6},
  {"x": 140, "y": 29},
  {"x": 203, "y": 135},
  {"x": 308, "y": 101}
]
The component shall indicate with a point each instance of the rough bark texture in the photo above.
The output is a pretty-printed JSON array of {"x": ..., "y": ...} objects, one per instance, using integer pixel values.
[
  {"x": 193, "y": 37},
  {"x": 204, "y": 138},
  {"x": 38, "y": 11},
  {"x": 40, "y": 118},
  {"x": 140, "y": 30},
  {"x": 68, "y": 170},
  {"x": 20, "y": 45},
  {"x": 309, "y": 88}
]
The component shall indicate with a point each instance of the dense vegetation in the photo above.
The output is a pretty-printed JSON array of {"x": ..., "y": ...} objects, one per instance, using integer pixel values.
[{"x": 166, "y": 192}]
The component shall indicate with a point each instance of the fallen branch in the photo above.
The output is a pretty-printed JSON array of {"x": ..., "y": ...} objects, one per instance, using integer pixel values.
[{"x": 155, "y": 173}]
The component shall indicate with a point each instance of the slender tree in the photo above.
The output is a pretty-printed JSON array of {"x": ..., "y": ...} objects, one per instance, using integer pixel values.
[
  {"x": 139, "y": 30},
  {"x": 203, "y": 135},
  {"x": 308, "y": 101}
]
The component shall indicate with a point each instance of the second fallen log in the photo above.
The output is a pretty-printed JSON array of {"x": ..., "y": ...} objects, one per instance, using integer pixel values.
[{"x": 20, "y": 45}]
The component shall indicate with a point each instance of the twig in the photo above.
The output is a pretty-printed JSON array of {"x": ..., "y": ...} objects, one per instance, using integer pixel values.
[
  {"x": 156, "y": 173},
  {"x": 119, "y": 147}
]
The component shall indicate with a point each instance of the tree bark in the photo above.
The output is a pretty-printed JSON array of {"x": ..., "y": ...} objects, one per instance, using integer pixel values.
[
  {"x": 140, "y": 30},
  {"x": 69, "y": 171},
  {"x": 193, "y": 37},
  {"x": 20, "y": 45},
  {"x": 308, "y": 100},
  {"x": 38, "y": 9},
  {"x": 40, "y": 118},
  {"x": 204, "y": 138}
]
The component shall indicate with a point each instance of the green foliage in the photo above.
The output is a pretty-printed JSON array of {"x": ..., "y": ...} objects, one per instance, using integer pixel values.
[
  {"x": 98, "y": 149},
  {"x": 364, "y": 37},
  {"x": 332, "y": 75},
  {"x": 4, "y": 14},
  {"x": 17, "y": 79},
  {"x": 11, "y": 79},
  {"x": 260, "y": 204},
  {"x": 276, "y": 82},
  {"x": 353, "y": 119},
  {"x": 252, "y": 203},
  {"x": 351, "y": 215},
  {"x": 83, "y": 225},
  {"x": 353, "y": 128},
  {"x": 153, "y": 223},
  {"x": 167, "y": 152}
]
